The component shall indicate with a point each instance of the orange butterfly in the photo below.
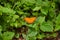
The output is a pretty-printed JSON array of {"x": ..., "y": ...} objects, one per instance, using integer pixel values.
[{"x": 30, "y": 20}]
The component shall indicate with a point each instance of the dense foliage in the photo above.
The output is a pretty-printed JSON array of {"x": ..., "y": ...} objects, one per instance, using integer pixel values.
[{"x": 13, "y": 25}]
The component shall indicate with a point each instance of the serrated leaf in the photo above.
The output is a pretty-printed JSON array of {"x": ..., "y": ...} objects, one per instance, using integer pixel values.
[{"x": 46, "y": 27}]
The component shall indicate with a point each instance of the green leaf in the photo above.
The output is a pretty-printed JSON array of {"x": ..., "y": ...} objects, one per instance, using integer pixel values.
[
  {"x": 32, "y": 31},
  {"x": 17, "y": 35},
  {"x": 0, "y": 28},
  {"x": 51, "y": 35},
  {"x": 58, "y": 19},
  {"x": 15, "y": 16},
  {"x": 17, "y": 4},
  {"x": 46, "y": 27},
  {"x": 40, "y": 20},
  {"x": 15, "y": 24},
  {"x": 39, "y": 2},
  {"x": 1, "y": 38},
  {"x": 25, "y": 36},
  {"x": 8, "y": 5},
  {"x": 7, "y": 10},
  {"x": 8, "y": 35},
  {"x": 0, "y": 13},
  {"x": 54, "y": 34},
  {"x": 41, "y": 36},
  {"x": 28, "y": 37},
  {"x": 36, "y": 8},
  {"x": 32, "y": 38},
  {"x": 57, "y": 27},
  {"x": 20, "y": 12},
  {"x": 44, "y": 11}
]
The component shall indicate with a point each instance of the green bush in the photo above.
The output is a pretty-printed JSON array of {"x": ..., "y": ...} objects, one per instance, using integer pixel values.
[{"x": 13, "y": 12}]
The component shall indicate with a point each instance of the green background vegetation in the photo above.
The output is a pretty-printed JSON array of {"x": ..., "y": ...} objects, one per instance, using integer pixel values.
[{"x": 13, "y": 12}]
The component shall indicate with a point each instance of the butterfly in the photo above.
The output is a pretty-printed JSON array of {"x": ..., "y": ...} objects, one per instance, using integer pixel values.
[{"x": 30, "y": 20}]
